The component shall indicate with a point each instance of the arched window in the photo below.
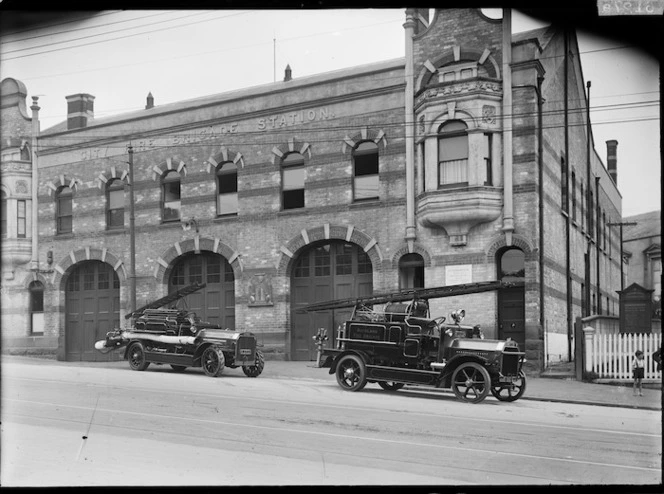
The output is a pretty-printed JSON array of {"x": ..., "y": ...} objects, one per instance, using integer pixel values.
[
  {"x": 411, "y": 271},
  {"x": 115, "y": 204},
  {"x": 512, "y": 265},
  {"x": 3, "y": 214},
  {"x": 36, "y": 289},
  {"x": 226, "y": 188},
  {"x": 453, "y": 154},
  {"x": 365, "y": 171},
  {"x": 63, "y": 206},
  {"x": 170, "y": 208},
  {"x": 292, "y": 181}
]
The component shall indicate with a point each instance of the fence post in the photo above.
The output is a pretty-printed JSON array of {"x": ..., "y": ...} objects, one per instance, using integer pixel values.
[{"x": 588, "y": 337}]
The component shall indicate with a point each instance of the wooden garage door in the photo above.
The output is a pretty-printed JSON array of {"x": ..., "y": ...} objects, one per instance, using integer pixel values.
[
  {"x": 325, "y": 272},
  {"x": 216, "y": 302},
  {"x": 92, "y": 307}
]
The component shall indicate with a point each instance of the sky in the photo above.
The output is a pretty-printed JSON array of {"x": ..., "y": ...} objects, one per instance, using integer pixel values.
[{"x": 121, "y": 56}]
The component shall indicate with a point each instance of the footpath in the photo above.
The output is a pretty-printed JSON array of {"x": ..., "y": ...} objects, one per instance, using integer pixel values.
[{"x": 558, "y": 388}]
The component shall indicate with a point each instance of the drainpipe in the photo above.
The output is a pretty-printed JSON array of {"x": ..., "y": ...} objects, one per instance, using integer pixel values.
[
  {"x": 599, "y": 288},
  {"x": 34, "y": 263},
  {"x": 540, "y": 171},
  {"x": 508, "y": 213},
  {"x": 409, "y": 95},
  {"x": 568, "y": 261}
]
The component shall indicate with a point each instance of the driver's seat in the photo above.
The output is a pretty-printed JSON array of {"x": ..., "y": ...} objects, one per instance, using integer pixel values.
[{"x": 418, "y": 325}]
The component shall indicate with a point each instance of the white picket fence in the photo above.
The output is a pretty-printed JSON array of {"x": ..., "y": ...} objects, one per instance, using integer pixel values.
[{"x": 610, "y": 355}]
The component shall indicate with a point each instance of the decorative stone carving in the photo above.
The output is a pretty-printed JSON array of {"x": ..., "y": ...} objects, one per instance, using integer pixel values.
[
  {"x": 21, "y": 187},
  {"x": 489, "y": 114},
  {"x": 260, "y": 290}
]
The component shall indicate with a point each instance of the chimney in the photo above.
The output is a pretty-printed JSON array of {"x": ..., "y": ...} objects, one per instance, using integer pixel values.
[
  {"x": 612, "y": 159},
  {"x": 80, "y": 110},
  {"x": 288, "y": 74},
  {"x": 150, "y": 102}
]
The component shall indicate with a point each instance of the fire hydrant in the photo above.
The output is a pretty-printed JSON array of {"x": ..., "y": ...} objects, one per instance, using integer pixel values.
[{"x": 320, "y": 338}]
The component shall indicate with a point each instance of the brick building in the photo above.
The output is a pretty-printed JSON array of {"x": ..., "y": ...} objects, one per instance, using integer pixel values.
[{"x": 467, "y": 160}]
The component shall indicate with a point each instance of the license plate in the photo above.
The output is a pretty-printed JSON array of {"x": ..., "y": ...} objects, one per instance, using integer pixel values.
[
  {"x": 245, "y": 351},
  {"x": 508, "y": 379}
]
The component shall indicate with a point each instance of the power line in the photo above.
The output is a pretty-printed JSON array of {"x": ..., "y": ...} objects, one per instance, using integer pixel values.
[
  {"x": 98, "y": 26},
  {"x": 120, "y": 37}
]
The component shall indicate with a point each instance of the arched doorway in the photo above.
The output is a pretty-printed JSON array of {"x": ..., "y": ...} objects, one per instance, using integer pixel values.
[
  {"x": 216, "y": 302},
  {"x": 325, "y": 271},
  {"x": 92, "y": 308},
  {"x": 511, "y": 300}
]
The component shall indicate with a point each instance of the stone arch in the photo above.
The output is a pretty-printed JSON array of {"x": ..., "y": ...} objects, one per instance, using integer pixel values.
[
  {"x": 222, "y": 156},
  {"x": 347, "y": 233},
  {"x": 498, "y": 242},
  {"x": 453, "y": 114},
  {"x": 293, "y": 145},
  {"x": 164, "y": 263},
  {"x": 170, "y": 164},
  {"x": 108, "y": 175},
  {"x": 62, "y": 181},
  {"x": 365, "y": 134},
  {"x": 458, "y": 54},
  {"x": 34, "y": 276},
  {"x": 417, "y": 249},
  {"x": 68, "y": 262}
]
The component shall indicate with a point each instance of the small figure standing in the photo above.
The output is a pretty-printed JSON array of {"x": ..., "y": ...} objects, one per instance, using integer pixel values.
[{"x": 638, "y": 365}]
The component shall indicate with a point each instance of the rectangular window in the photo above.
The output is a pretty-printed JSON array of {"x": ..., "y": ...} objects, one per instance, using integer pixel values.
[
  {"x": 573, "y": 196},
  {"x": 115, "y": 208},
  {"x": 293, "y": 187},
  {"x": 3, "y": 216},
  {"x": 344, "y": 260},
  {"x": 322, "y": 261},
  {"x": 171, "y": 200},
  {"x": 178, "y": 274},
  {"x": 20, "y": 217},
  {"x": 227, "y": 200},
  {"x": 196, "y": 270},
  {"x": 65, "y": 214},
  {"x": 88, "y": 279},
  {"x": 302, "y": 267},
  {"x": 453, "y": 164},
  {"x": 488, "y": 141},
  {"x": 563, "y": 185},
  {"x": 213, "y": 272}
]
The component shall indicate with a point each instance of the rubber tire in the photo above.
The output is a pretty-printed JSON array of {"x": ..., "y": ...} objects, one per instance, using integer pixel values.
[
  {"x": 351, "y": 368},
  {"x": 136, "y": 357},
  {"x": 256, "y": 369},
  {"x": 496, "y": 390},
  {"x": 212, "y": 361},
  {"x": 178, "y": 368},
  {"x": 471, "y": 371},
  {"x": 390, "y": 386}
]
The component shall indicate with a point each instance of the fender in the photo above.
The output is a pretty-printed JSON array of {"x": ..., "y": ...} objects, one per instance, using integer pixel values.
[
  {"x": 363, "y": 355},
  {"x": 456, "y": 361}
]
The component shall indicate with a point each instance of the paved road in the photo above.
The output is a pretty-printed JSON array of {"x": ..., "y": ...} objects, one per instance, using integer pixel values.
[{"x": 75, "y": 425}]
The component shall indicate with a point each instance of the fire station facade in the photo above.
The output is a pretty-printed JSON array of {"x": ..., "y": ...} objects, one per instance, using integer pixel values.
[{"x": 468, "y": 160}]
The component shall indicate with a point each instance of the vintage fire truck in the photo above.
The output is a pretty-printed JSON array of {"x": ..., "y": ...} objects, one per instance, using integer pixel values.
[
  {"x": 401, "y": 344},
  {"x": 177, "y": 337}
]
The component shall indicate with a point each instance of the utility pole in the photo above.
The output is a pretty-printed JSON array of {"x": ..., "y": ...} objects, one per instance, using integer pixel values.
[
  {"x": 132, "y": 234},
  {"x": 621, "y": 224}
]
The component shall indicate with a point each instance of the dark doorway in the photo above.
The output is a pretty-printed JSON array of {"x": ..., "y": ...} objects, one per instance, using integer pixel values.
[
  {"x": 216, "y": 302},
  {"x": 324, "y": 272},
  {"x": 511, "y": 300},
  {"x": 92, "y": 308}
]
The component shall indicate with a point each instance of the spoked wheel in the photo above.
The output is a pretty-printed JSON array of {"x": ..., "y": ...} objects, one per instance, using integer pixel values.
[
  {"x": 213, "y": 361},
  {"x": 136, "y": 357},
  {"x": 351, "y": 373},
  {"x": 256, "y": 369},
  {"x": 471, "y": 382},
  {"x": 178, "y": 368},
  {"x": 510, "y": 391},
  {"x": 390, "y": 386}
]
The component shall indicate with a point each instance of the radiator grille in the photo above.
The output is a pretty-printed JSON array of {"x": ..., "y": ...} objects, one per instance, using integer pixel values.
[
  {"x": 246, "y": 347},
  {"x": 510, "y": 364}
]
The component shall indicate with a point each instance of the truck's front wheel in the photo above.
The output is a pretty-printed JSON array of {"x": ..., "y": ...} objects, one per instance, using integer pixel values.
[
  {"x": 213, "y": 361},
  {"x": 136, "y": 357},
  {"x": 256, "y": 369},
  {"x": 351, "y": 373},
  {"x": 471, "y": 382}
]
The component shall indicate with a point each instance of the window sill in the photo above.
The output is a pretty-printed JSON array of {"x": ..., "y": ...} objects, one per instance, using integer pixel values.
[{"x": 457, "y": 185}]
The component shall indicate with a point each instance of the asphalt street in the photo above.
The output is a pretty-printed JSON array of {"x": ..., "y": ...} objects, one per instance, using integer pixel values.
[{"x": 68, "y": 424}]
